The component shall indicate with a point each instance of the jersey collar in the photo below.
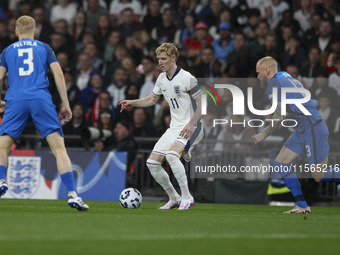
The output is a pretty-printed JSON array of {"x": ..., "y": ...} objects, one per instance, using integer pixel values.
[{"x": 176, "y": 72}]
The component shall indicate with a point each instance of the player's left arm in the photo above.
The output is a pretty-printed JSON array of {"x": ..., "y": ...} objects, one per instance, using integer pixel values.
[
  {"x": 58, "y": 74},
  {"x": 190, "y": 127},
  {"x": 277, "y": 117},
  {"x": 3, "y": 71}
]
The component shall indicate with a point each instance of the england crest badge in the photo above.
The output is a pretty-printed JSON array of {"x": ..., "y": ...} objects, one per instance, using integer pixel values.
[
  {"x": 177, "y": 90},
  {"x": 23, "y": 176}
]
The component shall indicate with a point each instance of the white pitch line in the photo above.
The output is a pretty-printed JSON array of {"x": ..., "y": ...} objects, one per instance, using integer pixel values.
[{"x": 126, "y": 237}]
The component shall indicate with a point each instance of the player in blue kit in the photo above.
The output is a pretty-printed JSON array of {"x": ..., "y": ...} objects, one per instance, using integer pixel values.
[
  {"x": 310, "y": 137},
  {"x": 27, "y": 97}
]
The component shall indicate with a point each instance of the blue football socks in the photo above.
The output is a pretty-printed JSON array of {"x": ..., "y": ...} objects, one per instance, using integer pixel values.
[
  {"x": 331, "y": 175},
  {"x": 292, "y": 182},
  {"x": 3, "y": 170},
  {"x": 68, "y": 180}
]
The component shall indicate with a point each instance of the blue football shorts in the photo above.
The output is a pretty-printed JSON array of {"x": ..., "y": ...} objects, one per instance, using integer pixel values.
[
  {"x": 312, "y": 142},
  {"x": 19, "y": 113}
]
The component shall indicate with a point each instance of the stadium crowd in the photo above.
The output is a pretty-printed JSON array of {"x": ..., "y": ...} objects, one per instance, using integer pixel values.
[{"x": 106, "y": 50}]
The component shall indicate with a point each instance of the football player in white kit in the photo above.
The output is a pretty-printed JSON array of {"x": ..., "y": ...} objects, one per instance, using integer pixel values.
[{"x": 185, "y": 131}]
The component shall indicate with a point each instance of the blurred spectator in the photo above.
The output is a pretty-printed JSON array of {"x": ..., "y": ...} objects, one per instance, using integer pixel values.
[
  {"x": 102, "y": 31},
  {"x": 321, "y": 87},
  {"x": 333, "y": 55},
  {"x": 117, "y": 8},
  {"x": 293, "y": 53},
  {"x": 198, "y": 40},
  {"x": 310, "y": 36},
  {"x": 89, "y": 94},
  {"x": 328, "y": 113},
  {"x": 140, "y": 42},
  {"x": 25, "y": 8},
  {"x": 166, "y": 30},
  {"x": 146, "y": 75},
  {"x": 187, "y": 31},
  {"x": 110, "y": 46},
  {"x": 92, "y": 51},
  {"x": 324, "y": 39},
  {"x": 303, "y": 15},
  {"x": 64, "y": 9},
  {"x": 11, "y": 31},
  {"x": 4, "y": 39},
  {"x": 225, "y": 44},
  {"x": 293, "y": 70},
  {"x": 240, "y": 56},
  {"x": 118, "y": 87},
  {"x": 79, "y": 27},
  {"x": 61, "y": 27},
  {"x": 103, "y": 101},
  {"x": 63, "y": 60},
  {"x": 153, "y": 15},
  {"x": 44, "y": 28},
  {"x": 83, "y": 76},
  {"x": 271, "y": 48},
  {"x": 253, "y": 19},
  {"x": 257, "y": 45},
  {"x": 72, "y": 89},
  {"x": 119, "y": 54},
  {"x": 58, "y": 43},
  {"x": 311, "y": 68},
  {"x": 93, "y": 12},
  {"x": 211, "y": 12},
  {"x": 121, "y": 141},
  {"x": 129, "y": 25},
  {"x": 287, "y": 21},
  {"x": 204, "y": 68},
  {"x": 141, "y": 127},
  {"x": 164, "y": 122},
  {"x": 334, "y": 78},
  {"x": 77, "y": 126},
  {"x": 273, "y": 12},
  {"x": 130, "y": 67},
  {"x": 225, "y": 16}
]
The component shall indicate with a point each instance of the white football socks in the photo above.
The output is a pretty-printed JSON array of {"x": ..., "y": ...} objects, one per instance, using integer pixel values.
[{"x": 178, "y": 169}]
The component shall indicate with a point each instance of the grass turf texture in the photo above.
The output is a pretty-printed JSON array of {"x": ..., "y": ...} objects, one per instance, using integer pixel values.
[{"x": 50, "y": 227}]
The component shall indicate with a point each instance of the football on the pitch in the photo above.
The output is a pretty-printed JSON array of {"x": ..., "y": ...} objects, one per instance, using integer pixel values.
[{"x": 130, "y": 198}]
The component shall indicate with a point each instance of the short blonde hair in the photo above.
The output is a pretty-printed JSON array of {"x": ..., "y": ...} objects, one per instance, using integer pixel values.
[
  {"x": 168, "y": 49},
  {"x": 267, "y": 62},
  {"x": 25, "y": 25}
]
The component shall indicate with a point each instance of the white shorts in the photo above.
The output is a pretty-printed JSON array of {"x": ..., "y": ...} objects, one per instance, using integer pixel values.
[{"x": 172, "y": 136}]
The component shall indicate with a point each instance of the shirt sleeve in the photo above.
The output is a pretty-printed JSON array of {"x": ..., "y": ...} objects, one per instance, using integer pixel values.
[
  {"x": 50, "y": 55},
  {"x": 274, "y": 83},
  {"x": 192, "y": 87},
  {"x": 3, "y": 59},
  {"x": 157, "y": 90}
]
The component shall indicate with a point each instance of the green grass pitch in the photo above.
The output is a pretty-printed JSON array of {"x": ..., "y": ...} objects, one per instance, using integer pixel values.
[{"x": 50, "y": 227}]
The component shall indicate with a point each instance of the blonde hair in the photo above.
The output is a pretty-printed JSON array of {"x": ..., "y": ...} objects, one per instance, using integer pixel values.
[
  {"x": 25, "y": 25},
  {"x": 168, "y": 49},
  {"x": 267, "y": 62}
]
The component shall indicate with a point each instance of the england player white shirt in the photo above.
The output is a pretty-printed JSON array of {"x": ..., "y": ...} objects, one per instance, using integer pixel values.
[{"x": 177, "y": 92}]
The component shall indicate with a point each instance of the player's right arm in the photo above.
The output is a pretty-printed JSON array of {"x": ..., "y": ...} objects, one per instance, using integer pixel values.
[
  {"x": 270, "y": 128},
  {"x": 3, "y": 71},
  {"x": 143, "y": 102},
  {"x": 58, "y": 74}
]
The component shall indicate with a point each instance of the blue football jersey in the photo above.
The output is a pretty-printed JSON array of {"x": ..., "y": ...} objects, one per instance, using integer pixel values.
[
  {"x": 26, "y": 62},
  {"x": 284, "y": 80}
]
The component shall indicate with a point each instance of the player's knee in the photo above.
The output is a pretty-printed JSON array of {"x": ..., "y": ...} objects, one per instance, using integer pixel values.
[
  {"x": 153, "y": 166},
  {"x": 172, "y": 157}
]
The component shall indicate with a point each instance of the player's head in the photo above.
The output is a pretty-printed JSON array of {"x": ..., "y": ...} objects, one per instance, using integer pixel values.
[
  {"x": 167, "y": 55},
  {"x": 25, "y": 25},
  {"x": 266, "y": 67}
]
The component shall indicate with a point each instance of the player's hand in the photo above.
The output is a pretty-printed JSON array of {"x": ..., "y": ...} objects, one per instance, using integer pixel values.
[
  {"x": 65, "y": 112},
  {"x": 2, "y": 106},
  {"x": 126, "y": 104},
  {"x": 187, "y": 131},
  {"x": 258, "y": 138}
]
